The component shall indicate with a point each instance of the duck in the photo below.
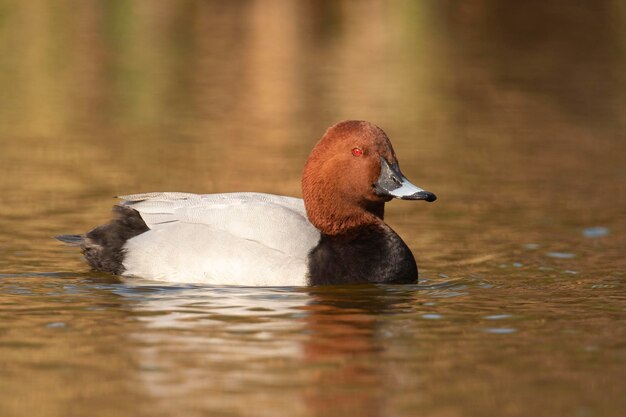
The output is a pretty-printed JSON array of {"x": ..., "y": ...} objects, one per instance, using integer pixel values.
[{"x": 334, "y": 235}]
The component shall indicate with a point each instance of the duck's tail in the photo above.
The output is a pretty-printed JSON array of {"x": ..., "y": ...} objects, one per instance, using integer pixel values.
[
  {"x": 72, "y": 240},
  {"x": 103, "y": 247}
]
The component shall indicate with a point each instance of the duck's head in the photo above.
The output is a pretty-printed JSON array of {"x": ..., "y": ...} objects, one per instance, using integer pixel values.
[{"x": 350, "y": 174}]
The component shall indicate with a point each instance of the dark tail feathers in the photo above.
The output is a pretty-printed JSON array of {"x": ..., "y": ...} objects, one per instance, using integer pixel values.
[
  {"x": 72, "y": 240},
  {"x": 103, "y": 247}
]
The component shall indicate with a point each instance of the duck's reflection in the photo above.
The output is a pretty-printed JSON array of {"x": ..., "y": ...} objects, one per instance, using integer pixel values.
[
  {"x": 346, "y": 345},
  {"x": 295, "y": 351}
]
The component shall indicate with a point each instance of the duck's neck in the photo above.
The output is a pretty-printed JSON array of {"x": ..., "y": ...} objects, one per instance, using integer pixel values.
[
  {"x": 368, "y": 253},
  {"x": 335, "y": 219}
]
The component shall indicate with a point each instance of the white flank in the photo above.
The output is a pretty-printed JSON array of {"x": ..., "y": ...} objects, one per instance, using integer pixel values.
[{"x": 227, "y": 239}]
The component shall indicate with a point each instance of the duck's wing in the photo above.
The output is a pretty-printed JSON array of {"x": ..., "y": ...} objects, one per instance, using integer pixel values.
[{"x": 277, "y": 222}]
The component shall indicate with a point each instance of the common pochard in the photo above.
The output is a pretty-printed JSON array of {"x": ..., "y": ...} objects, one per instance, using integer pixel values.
[{"x": 334, "y": 235}]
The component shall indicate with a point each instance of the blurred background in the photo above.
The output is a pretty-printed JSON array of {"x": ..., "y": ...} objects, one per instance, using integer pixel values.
[{"x": 511, "y": 112}]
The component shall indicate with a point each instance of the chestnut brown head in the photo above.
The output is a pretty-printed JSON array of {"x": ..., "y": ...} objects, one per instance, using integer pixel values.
[{"x": 350, "y": 174}]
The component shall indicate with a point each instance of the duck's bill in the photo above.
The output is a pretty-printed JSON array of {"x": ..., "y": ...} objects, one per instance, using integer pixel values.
[{"x": 392, "y": 183}]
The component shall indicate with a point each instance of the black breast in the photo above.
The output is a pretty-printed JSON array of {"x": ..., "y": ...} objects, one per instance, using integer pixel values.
[{"x": 373, "y": 254}]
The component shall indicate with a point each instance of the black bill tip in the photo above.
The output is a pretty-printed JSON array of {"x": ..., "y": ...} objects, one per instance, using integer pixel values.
[{"x": 421, "y": 195}]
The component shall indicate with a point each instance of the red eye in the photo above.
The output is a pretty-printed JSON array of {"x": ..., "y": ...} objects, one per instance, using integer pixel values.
[{"x": 357, "y": 152}]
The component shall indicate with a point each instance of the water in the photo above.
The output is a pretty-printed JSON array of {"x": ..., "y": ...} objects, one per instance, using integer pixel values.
[{"x": 512, "y": 115}]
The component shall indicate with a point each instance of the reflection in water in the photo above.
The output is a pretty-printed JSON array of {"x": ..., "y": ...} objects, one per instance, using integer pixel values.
[
  {"x": 344, "y": 335},
  {"x": 332, "y": 336},
  {"x": 239, "y": 338},
  {"x": 512, "y": 113}
]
